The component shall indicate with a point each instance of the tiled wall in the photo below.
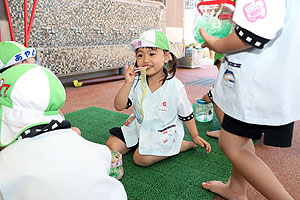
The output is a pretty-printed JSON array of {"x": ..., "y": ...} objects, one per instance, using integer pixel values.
[{"x": 84, "y": 35}]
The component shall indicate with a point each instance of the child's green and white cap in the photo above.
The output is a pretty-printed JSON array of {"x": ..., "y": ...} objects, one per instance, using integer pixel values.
[
  {"x": 30, "y": 95},
  {"x": 151, "y": 38},
  {"x": 12, "y": 53}
]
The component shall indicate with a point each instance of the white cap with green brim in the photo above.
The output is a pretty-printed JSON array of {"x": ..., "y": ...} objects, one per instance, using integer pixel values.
[
  {"x": 12, "y": 53},
  {"x": 30, "y": 95},
  {"x": 151, "y": 38}
]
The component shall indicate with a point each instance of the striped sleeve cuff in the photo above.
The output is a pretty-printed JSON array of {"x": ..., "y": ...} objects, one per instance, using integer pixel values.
[
  {"x": 187, "y": 118},
  {"x": 250, "y": 38}
]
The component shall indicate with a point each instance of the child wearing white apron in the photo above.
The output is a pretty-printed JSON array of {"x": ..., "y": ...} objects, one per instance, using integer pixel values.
[
  {"x": 257, "y": 89},
  {"x": 154, "y": 131}
]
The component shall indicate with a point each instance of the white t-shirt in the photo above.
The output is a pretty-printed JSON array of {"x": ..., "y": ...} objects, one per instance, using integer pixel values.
[
  {"x": 57, "y": 165},
  {"x": 261, "y": 86},
  {"x": 161, "y": 130}
]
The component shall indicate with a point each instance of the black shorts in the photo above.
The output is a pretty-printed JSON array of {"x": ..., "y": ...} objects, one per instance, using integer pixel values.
[
  {"x": 278, "y": 136},
  {"x": 117, "y": 131}
]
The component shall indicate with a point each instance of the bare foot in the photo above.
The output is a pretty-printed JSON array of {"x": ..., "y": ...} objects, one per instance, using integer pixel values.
[
  {"x": 186, "y": 145},
  {"x": 223, "y": 190},
  {"x": 215, "y": 134}
]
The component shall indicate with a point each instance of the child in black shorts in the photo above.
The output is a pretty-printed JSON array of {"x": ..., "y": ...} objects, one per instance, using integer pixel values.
[{"x": 257, "y": 92}]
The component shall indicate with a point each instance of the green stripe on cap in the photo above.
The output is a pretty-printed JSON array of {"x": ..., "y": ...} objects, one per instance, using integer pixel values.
[
  {"x": 151, "y": 38},
  {"x": 8, "y": 81},
  {"x": 161, "y": 41},
  {"x": 57, "y": 94}
]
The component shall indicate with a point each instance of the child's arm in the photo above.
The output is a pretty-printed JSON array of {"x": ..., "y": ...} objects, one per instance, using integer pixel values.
[
  {"x": 121, "y": 98},
  {"x": 249, "y": 32},
  {"x": 192, "y": 128},
  {"x": 228, "y": 44}
]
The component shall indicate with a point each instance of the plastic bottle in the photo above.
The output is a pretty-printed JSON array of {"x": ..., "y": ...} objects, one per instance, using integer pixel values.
[
  {"x": 204, "y": 111},
  {"x": 215, "y": 17}
]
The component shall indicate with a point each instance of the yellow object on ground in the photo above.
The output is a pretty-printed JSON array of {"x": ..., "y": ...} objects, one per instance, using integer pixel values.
[{"x": 77, "y": 84}]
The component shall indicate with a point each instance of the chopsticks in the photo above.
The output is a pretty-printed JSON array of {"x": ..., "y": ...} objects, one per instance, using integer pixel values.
[{"x": 139, "y": 69}]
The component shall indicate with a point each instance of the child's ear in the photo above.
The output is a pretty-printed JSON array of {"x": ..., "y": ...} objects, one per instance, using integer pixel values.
[{"x": 167, "y": 56}]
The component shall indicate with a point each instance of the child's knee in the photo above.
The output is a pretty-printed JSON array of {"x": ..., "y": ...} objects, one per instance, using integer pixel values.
[
  {"x": 229, "y": 150},
  {"x": 233, "y": 152},
  {"x": 141, "y": 160},
  {"x": 111, "y": 144}
]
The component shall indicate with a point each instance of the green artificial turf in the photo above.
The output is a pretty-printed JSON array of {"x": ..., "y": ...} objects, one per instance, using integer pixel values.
[{"x": 178, "y": 177}]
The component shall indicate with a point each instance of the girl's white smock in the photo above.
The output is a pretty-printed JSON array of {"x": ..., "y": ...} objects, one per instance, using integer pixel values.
[
  {"x": 161, "y": 131},
  {"x": 261, "y": 86}
]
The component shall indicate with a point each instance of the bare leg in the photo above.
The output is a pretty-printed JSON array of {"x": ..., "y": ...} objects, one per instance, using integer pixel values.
[
  {"x": 219, "y": 113},
  {"x": 247, "y": 167},
  {"x": 215, "y": 134},
  {"x": 77, "y": 130},
  {"x": 229, "y": 190},
  {"x": 220, "y": 116},
  {"x": 146, "y": 160},
  {"x": 235, "y": 188},
  {"x": 116, "y": 144}
]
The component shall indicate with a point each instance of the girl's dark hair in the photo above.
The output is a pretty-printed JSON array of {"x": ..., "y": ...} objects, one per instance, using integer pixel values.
[
  {"x": 218, "y": 61},
  {"x": 170, "y": 68}
]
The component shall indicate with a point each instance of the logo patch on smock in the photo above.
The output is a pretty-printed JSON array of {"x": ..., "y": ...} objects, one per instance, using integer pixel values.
[
  {"x": 255, "y": 10},
  {"x": 164, "y": 108},
  {"x": 229, "y": 78}
]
